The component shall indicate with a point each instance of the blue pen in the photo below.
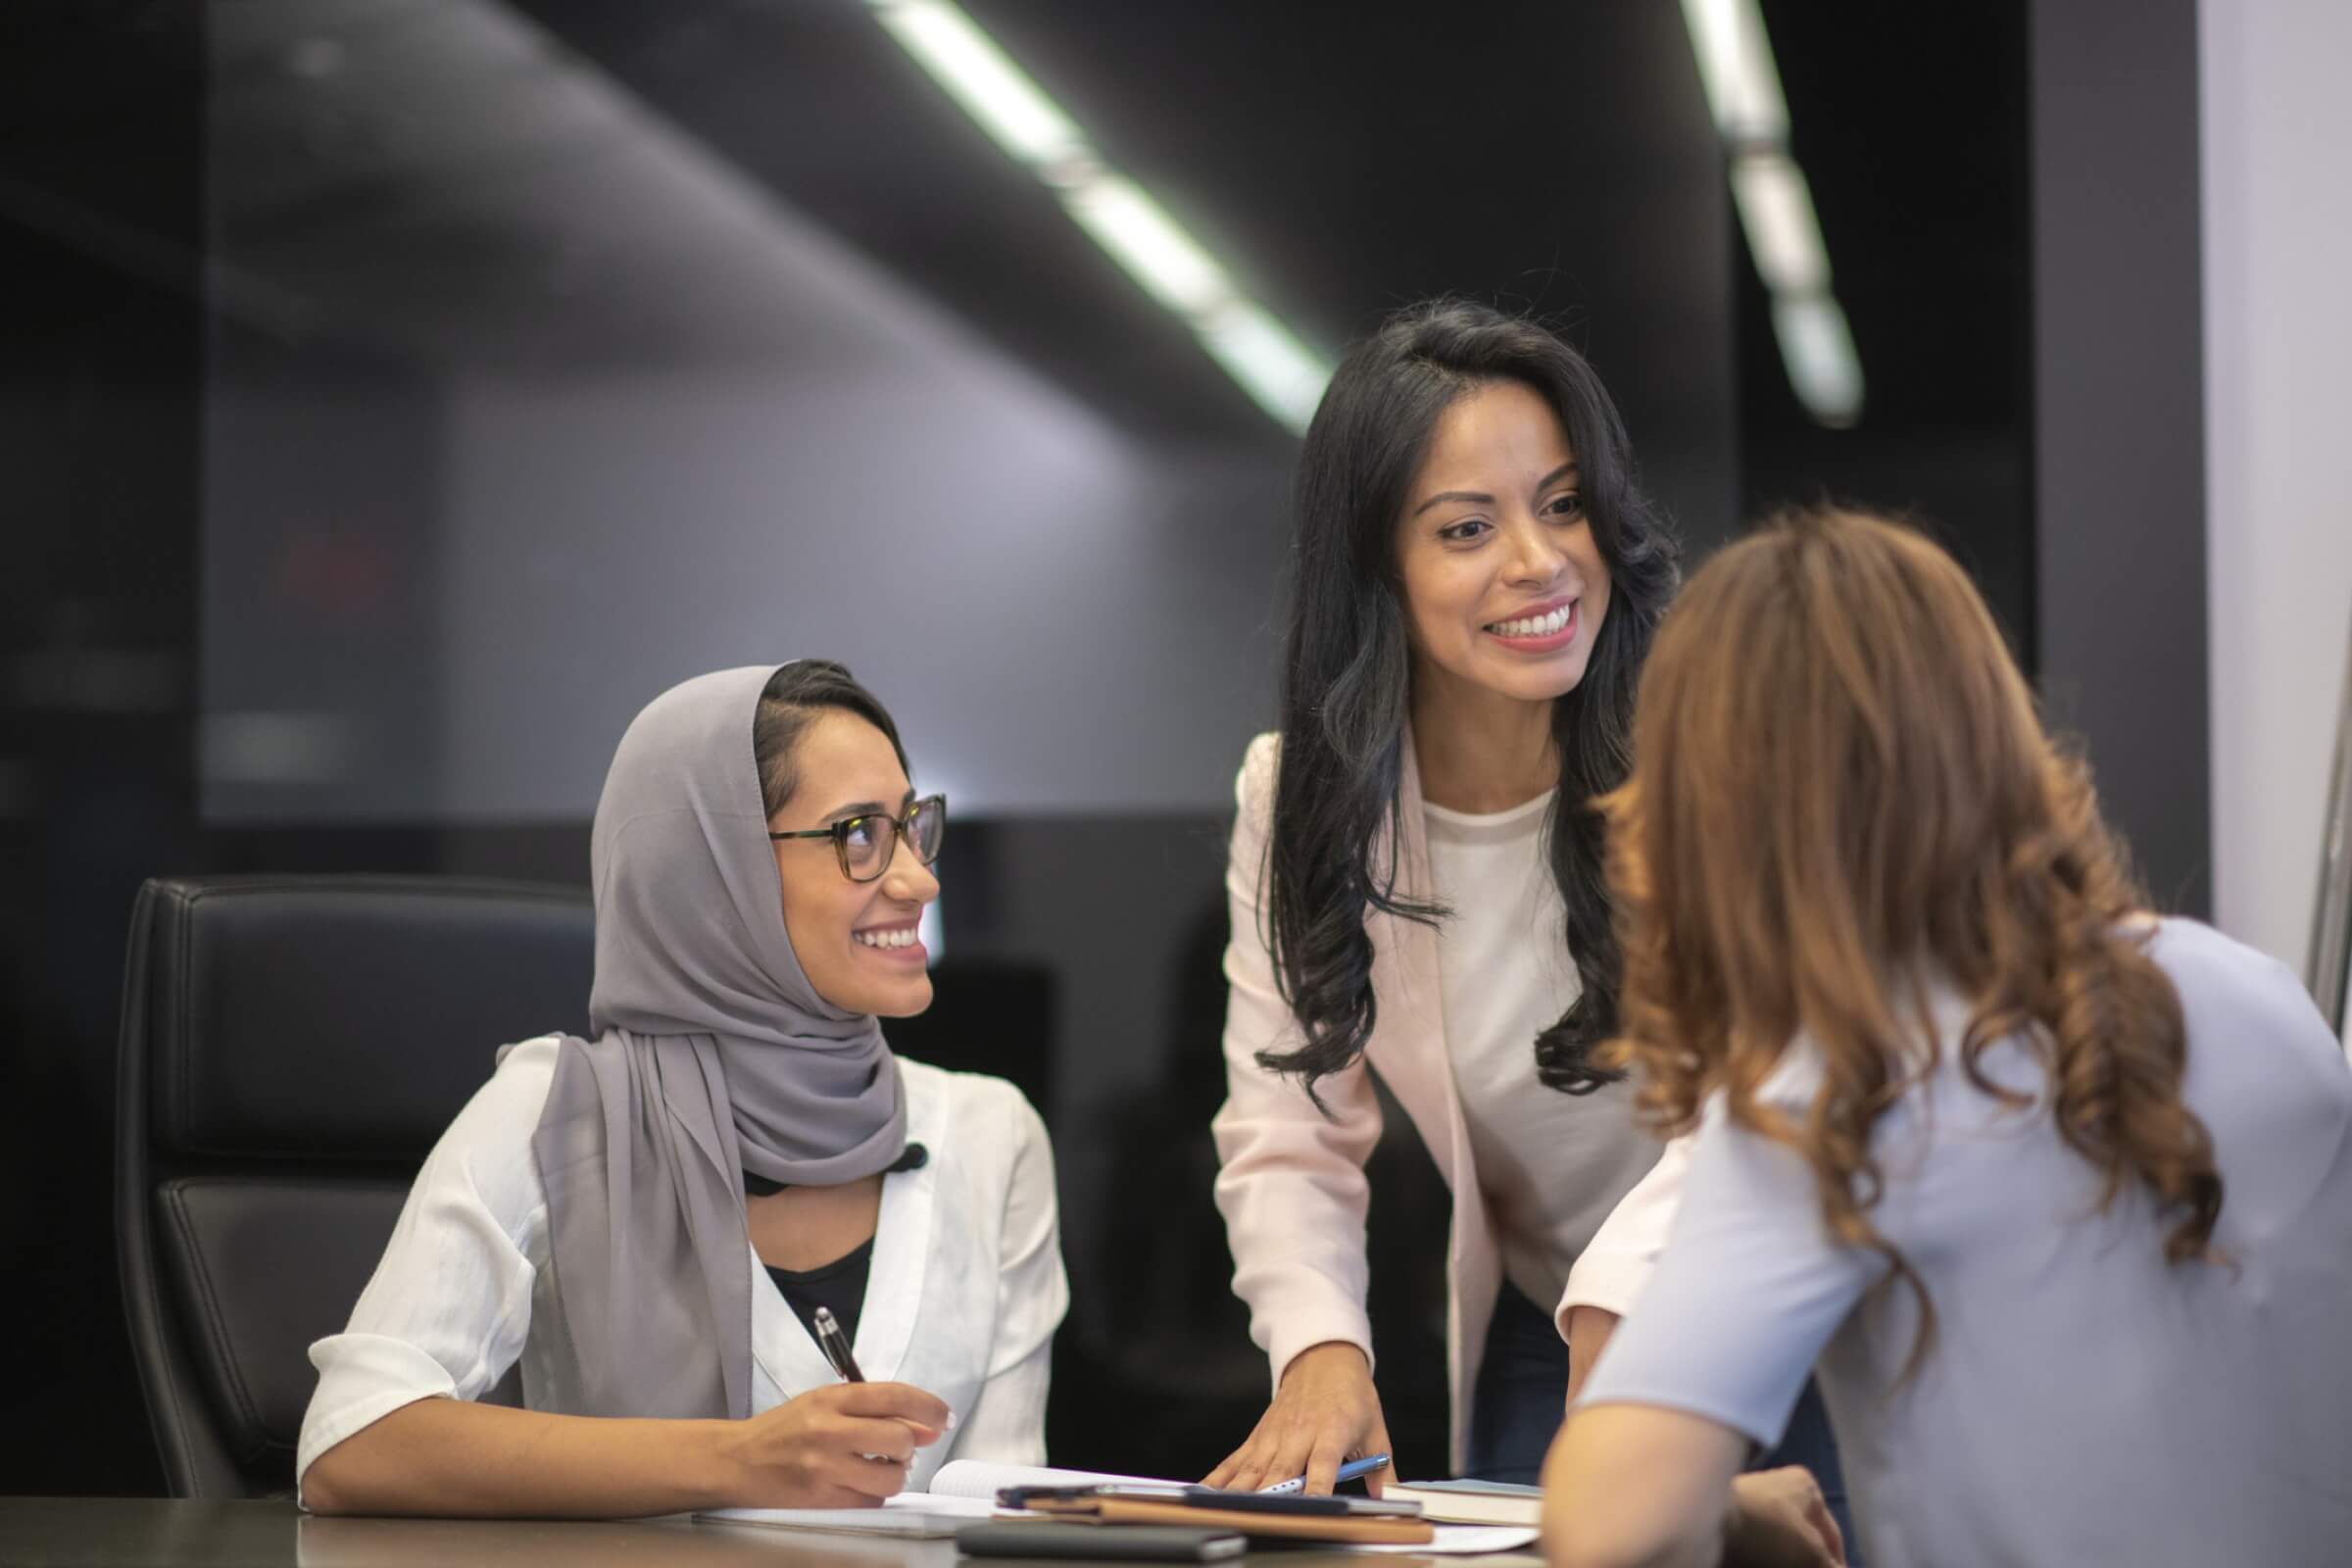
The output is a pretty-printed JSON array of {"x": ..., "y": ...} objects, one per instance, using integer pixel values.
[{"x": 1347, "y": 1472}]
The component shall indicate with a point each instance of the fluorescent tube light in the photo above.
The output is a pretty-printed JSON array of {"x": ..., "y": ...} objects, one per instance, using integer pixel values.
[
  {"x": 1775, "y": 208},
  {"x": 1266, "y": 357},
  {"x": 1273, "y": 367},
  {"x": 1143, "y": 238},
  {"x": 983, "y": 79},
  {"x": 1735, "y": 61},
  {"x": 1818, "y": 348}
]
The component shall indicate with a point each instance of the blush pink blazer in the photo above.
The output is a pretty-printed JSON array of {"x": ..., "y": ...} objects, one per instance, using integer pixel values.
[{"x": 1291, "y": 1183}]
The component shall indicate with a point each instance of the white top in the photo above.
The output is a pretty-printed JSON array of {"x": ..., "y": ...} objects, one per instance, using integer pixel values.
[
  {"x": 963, "y": 1294},
  {"x": 1553, "y": 1166},
  {"x": 2084, "y": 1400}
]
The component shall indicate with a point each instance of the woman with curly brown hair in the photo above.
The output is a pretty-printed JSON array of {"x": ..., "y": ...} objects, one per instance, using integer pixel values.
[{"x": 2058, "y": 1193}]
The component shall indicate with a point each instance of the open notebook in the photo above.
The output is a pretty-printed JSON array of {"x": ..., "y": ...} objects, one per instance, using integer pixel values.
[{"x": 964, "y": 1490}]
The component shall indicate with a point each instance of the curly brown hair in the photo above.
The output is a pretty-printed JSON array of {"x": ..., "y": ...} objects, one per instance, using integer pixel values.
[{"x": 1842, "y": 791}]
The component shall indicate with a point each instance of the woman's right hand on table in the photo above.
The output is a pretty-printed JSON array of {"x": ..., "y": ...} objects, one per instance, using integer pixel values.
[
  {"x": 1325, "y": 1411},
  {"x": 844, "y": 1445},
  {"x": 1779, "y": 1520}
]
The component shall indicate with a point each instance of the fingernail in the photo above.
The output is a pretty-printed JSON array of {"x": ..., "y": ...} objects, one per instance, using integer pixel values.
[{"x": 951, "y": 1420}]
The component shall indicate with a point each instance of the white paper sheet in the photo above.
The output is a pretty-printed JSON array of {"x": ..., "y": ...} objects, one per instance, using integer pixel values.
[
  {"x": 1456, "y": 1541},
  {"x": 977, "y": 1478},
  {"x": 921, "y": 1515}
]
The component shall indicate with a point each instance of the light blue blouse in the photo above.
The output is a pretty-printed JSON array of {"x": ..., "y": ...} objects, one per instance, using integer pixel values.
[{"x": 2084, "y": 1401}]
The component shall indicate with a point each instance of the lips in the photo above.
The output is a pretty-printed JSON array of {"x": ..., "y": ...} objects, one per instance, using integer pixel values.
[
  {"x": 1540, "y": 628},
  {"x": 889, "y": 939},
  {"x": 1536, "y": 623}
]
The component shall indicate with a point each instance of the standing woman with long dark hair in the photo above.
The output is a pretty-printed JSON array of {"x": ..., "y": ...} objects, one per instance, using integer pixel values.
[{"x": 1417, "y": 890}]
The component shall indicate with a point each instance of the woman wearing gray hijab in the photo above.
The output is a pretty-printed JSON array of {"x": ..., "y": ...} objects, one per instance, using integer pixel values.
[{"x": 649, "y": 1221}]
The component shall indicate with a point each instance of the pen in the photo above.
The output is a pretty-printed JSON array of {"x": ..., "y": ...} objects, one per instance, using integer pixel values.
[
  {"x": 835, "y": 1346},
  {"x": 1347, "y": 1472}
]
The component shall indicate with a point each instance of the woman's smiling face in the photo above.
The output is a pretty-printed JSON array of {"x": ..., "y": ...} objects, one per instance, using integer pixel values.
[
  {"x": 1504, "y": 586},
  {"x": 856, "y": 940}
]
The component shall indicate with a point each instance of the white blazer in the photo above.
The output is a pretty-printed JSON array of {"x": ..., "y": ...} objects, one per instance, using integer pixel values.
[
  {"x": 1292, "y": 1182},
  {"x": 963, "y": 1294}
]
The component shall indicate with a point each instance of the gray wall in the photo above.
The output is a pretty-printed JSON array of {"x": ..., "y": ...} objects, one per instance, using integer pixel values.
[
  {"x": 1060, "y": 619},
  {"x": 742, "y": 442},
  {"x": 2120, "y": 613},
  {"x": 321, "y": 500}
]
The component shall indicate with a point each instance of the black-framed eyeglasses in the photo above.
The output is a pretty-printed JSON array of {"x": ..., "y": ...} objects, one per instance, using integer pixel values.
[{"x": 864, "y": 844}]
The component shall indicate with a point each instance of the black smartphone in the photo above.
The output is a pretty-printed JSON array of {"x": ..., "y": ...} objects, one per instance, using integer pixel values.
[{"x": 1024, "y": 1537}]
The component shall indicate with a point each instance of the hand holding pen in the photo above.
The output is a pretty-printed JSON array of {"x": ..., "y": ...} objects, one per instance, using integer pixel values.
[
  {"x": 840, "y": 1446},
  {"x": 835, "y": 1346}
]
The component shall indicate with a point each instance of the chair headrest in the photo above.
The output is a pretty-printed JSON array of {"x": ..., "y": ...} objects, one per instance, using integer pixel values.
[{"x": 346, "y": 1016}]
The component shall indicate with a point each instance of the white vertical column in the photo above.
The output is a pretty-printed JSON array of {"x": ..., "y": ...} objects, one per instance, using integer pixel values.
[{"x": 2277, "y": 125}]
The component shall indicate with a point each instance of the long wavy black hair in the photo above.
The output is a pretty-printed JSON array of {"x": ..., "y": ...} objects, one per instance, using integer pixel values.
[{"x": 1346, "y": 676}]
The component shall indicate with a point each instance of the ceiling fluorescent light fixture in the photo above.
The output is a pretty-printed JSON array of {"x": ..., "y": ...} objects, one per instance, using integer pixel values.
[
  {"x": 1272, "y": 365},
  {"x": 983, "y": 79},
  {"x": 1735, "y": 61},
  {"x": 1818, "y": 348},
  {"x": 1281, "y": 374},
  {"x": 1143, "y": 238},
  {"x": 1776, "y": 207}
]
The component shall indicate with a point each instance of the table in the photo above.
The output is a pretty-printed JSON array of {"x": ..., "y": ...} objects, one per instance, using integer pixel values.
[{"x": 87, "y": 1531}]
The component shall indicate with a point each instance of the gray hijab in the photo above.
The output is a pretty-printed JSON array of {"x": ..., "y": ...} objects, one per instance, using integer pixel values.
[{"x": 713, "y": 1056}]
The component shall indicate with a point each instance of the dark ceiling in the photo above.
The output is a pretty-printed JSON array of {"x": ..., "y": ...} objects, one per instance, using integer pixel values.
[
  {"x": 1910, "y": 123},
  {"x": 1343, "y": 159},
  {"x": 1340, "y": 159}
]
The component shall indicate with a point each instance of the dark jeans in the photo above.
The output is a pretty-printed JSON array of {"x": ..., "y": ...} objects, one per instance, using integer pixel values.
[{"x": 1524, "y": 1382}]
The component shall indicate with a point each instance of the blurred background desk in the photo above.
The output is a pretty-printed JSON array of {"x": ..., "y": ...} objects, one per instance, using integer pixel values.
[{"x": 85, "y": 1532}]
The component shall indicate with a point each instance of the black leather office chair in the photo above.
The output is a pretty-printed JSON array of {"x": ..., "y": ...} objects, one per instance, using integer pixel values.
[{"x": 291, "y": 1047}]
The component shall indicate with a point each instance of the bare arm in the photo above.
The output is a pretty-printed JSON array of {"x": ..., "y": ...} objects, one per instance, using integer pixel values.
[
  {"x": 1633, "y": 1486},
  {"x": 841, "y": 1447}
]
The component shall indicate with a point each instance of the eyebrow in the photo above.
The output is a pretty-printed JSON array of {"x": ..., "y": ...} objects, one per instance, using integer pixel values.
[
  {"x": 1480, "y": 498},
  {"x": 842, "y": 813}
]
